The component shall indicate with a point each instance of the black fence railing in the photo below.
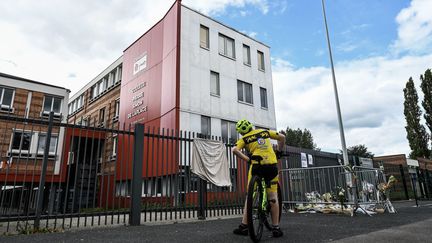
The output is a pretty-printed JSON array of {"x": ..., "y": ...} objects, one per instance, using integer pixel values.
[{"x": 60, "y": 175}]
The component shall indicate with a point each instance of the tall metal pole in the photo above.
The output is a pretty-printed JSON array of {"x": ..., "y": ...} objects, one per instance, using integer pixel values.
[{"x": 341, "y": 130}]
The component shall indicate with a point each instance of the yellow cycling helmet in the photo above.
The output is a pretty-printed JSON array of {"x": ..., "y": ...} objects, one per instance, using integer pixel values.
[{"x": 243, "y": 126}]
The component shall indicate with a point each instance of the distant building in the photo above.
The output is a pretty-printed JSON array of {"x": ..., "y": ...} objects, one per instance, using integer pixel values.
[
  {"x": 22, "y": 143},
  {"x": 188, "y": 72},
  {"x": 401, "y": 159}
]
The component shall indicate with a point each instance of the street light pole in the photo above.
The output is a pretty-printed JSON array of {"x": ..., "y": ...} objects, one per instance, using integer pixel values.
[{"x": 341, "y": 129}]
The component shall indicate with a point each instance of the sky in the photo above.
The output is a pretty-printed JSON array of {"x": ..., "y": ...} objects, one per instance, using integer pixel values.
[{"x": 376, "y": 45}]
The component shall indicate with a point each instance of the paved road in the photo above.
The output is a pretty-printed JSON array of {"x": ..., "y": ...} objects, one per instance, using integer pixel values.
[{"x": 410, "y": 224}]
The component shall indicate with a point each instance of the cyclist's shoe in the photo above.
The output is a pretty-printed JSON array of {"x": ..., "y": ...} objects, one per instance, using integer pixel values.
[
  {"x": 241, "y": 230},
  {"x": 276, "y": 231}
]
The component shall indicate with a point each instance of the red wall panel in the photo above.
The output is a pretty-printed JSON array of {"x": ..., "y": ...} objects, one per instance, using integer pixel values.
[
  {"x": 159, "y": 46},
  {"x": 152, "y": 91}
]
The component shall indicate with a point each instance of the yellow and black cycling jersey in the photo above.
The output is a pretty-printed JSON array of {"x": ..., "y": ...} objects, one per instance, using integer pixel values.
[{"x": 257, "y": 142}]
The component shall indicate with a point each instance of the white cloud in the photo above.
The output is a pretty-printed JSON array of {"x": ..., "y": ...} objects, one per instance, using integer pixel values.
[
  {"x": 415, "y": 28},
  {"x": 244, "y": 13},
  {"x": 347, "y": 46},
  {"x": 370, "y": 94},
  {"x": 370, "y": 89},
  {"x": 57, "y": 38},
  {"x": 252, "y": 34},
  {"x": 47, "y": 40},
  {"x": 219, "y": 6}
]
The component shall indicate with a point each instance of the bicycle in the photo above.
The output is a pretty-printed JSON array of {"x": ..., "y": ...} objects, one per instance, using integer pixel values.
[{"x": 258, "y": 207}]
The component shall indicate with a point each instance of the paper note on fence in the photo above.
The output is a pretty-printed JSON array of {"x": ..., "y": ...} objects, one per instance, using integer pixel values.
[
  {"x": 303, "y": 160},
  {"x": 310, "y": 159}
]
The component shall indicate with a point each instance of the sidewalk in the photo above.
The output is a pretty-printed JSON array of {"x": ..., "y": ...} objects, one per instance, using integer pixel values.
[{"x": 410, "y": 224}]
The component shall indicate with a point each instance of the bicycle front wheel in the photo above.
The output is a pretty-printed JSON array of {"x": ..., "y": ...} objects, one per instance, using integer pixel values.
[{"x": 255, "y": 213}]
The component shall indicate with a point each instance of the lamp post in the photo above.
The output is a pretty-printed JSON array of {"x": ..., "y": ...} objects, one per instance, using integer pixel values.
[{"x": 341, "y": 129}]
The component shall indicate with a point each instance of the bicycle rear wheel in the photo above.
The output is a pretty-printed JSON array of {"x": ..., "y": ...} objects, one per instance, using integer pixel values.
[
  {"x": 255, "y": 214},
  {"x": 279, "y": 195}
]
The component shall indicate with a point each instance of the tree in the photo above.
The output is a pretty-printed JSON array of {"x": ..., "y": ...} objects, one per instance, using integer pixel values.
[
  {"x": 299, "y": 138},
  {"x": 416, "y": 133},
  {"x": 360, "y": 150},
  {"x": 426, "y": 86}
]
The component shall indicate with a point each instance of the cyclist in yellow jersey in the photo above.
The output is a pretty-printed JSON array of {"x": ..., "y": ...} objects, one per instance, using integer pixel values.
[{"x": 264, "y": 163}]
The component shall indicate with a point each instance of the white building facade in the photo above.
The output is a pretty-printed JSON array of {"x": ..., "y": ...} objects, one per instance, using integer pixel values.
[{"x": 224, "y": 76}]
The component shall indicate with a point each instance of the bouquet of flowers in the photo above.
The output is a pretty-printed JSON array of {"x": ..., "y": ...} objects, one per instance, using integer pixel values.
[
  {"x": 340, "y": 196},
  {"x": 383, "y": 187}
]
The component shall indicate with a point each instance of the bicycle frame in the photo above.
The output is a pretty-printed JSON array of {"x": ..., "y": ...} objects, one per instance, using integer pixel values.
[{"x": 264, "y": 203}]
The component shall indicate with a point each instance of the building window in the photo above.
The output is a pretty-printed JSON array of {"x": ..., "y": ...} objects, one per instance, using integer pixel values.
[
  {"x": 80, "y": 101},
  {"x": 112, "y": 78},
  {"x": 99, "y": 87},
  {"x": 204, "y": 37},
  {"x": 6, "y": 98},
  {"x": 103, "y": 85},
  {"x": 229, "y": 132},
  {"x": 114, "y": 145},
  {"x": 159, "y": 186},
  {"x": 119, "y": 73},
  {"x": 205, "y": 126},
  {"x": 21, "y": 142},
  {"x": 95, "y": 91},
  {"x": 53, "y": 104},
  {"x": 83, "y": 121},
  {"x": 214, "y": 83},
  {"x": 263, "y": 94},
  {"x": 116, "y": 109},
  {"x": 246, "y": 55},
  {"x": 52, "y": 145},
  {"x": 76, "y": 104},
  {"x": 244, "y": 91},
  {"x": 102, "y": 117},
  {"x": 226, "y": 46},
  {"x": 260, "y": 56}
]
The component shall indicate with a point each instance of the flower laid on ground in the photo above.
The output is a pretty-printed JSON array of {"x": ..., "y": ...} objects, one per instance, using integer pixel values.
[
  {"x": 313, "y": 196},
  {"x": 327, "y": 197}
]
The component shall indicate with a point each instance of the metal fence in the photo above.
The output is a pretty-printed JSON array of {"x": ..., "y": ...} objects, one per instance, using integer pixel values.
[
  {"x": 57, "y": 175},
  {"x": 309, "y": 185}
]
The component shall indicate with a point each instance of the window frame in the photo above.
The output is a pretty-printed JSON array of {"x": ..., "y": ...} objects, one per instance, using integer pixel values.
[
  {"x": 117, "y": 109},
  {"x": 57, "y": 114},
  {"x": 246, "y": 58},
  {"x": 260, "y": 61},
  {"x": 102, "y": 117},
  {"x": 114, "y": 146},
  {"x": 206, "y": 43},
  {"x": 244, "y": 92},
  {"x": 216, "y": 74},
  {"x": 265, "y": 106},
  {"x": 50, "y": 153},
  {"x": 225, "y": 44},
  {"x": 119, "y": 71},
  {"x": 19, "y": 150},
  {"x": 206, "y": 119},
  {"x": 4, "y": 107},
  {"x": 231, "y": 132}
]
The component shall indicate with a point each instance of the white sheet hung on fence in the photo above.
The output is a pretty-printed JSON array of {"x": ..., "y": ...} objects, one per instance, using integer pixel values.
[{"x": 209, "y": 161}]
